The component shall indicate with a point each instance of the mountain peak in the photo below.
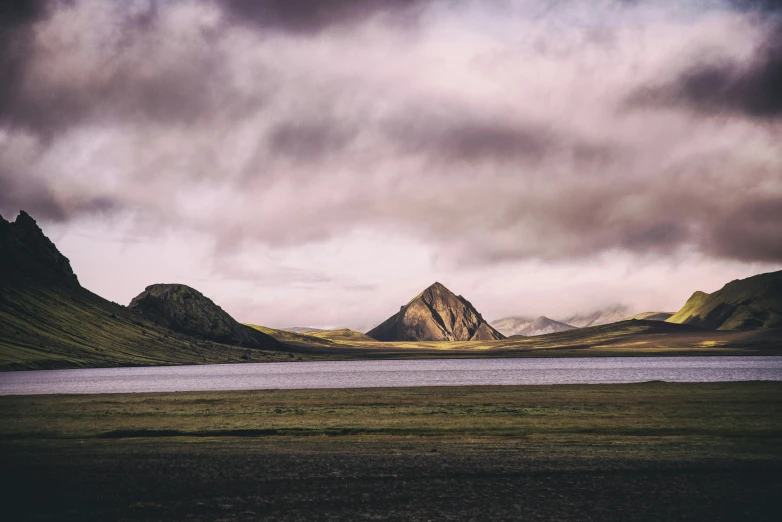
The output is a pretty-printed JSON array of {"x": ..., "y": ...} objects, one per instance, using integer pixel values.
[
  {"x": 26, "y": 251},
  {"x": 436, "y": 314}
]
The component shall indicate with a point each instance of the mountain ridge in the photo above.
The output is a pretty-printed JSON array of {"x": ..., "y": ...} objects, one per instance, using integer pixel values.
[{"x": 742, "y": 304}]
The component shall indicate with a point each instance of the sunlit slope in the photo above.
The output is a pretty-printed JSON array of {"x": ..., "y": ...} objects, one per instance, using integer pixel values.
[
  {"x": 744, "y": 304},
  {"x": 344, "y": 334},
  {"x": 625, "y": 338},
  {"x": 51, "y": 327},
  {"x": 652, "y": 316},
  {"x": 288, "y": 337}
]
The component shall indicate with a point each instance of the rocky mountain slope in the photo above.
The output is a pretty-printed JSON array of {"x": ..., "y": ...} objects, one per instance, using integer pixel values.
[
  {"x": 48, "y": 320},
  {"x": 607, "y": 315},
  {"x": 188, "y": 311},
  {"x": 743, "y": 304},
  {"x": 437, "y": 314},
  {"x": 27, "y": 254}
]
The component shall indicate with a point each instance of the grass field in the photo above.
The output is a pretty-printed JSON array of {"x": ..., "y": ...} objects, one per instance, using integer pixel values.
[{"x": 599, "y": 452}]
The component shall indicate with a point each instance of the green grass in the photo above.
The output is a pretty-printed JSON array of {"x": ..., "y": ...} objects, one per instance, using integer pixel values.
[
  {"x": 727, "y": 416},
  {"x": 45, "y": 328},
  {"x": 651, "y": 451}
]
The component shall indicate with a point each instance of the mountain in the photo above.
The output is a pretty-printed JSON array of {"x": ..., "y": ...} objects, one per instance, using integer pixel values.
[
  {"x": 542, "y": 326},
  {"x": 743, "y": 304},
  {"x": 512, "y": 325},
  {"x": 188, "y": 311},
  {"x": 48, "y": 320},
  {"x": 529, "y": 326},
  {"x": 651, "y": 316},
  {"x": 608, "y": 315},
  {"x": 27, "y": 254},
  {"x": 436, "y": 314}
]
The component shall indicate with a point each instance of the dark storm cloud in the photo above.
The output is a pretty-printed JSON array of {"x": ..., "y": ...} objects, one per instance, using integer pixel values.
[
  {"x": 308, "y": 141},
  {"x": 460, "y": 137},
  {"x": 23, "y": 191},
  {"x": 127, "y": 76},
  {"x": 307, "y": 16},
  {"x": 751, "y": 232},
  {"x": 726, "y": 86},
  {"x": 17, "y": 19},
  {"x": 521, "y": 156}
]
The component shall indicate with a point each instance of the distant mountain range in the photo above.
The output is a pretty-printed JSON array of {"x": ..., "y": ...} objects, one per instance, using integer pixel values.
[
  {"x": 531, "y": 326},
  {"x": 436, "y": 314},
  {"x": 48, "y": 320}
]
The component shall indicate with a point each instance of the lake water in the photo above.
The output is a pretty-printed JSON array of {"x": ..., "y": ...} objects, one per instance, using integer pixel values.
[{"x": 378, "y": 374}]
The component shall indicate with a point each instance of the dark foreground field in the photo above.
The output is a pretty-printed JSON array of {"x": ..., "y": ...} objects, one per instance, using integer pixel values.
[{"x": 651, "y": 451}]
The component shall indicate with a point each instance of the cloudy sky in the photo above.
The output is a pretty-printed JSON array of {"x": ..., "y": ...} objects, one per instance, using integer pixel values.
[{"x": 319, "y": 163}]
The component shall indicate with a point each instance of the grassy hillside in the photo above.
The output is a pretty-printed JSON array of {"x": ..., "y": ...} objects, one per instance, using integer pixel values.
[
  {"x": 626, "y": 338},
  {"x": 291, "y": 338},
  {"x": 744, "y": 304},
  {"x": 51, "y": 327},
  {"x": 342, "y": 335},
  {"x": 652, "y": 316}
]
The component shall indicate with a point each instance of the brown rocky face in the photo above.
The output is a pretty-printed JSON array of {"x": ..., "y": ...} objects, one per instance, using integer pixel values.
[
  {"x": 437, "y": 314},
  {"x": 186, "y": 310}
]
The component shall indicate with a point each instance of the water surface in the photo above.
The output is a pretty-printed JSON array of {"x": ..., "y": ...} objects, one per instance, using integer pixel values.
[{"x": 377, "y": 374}]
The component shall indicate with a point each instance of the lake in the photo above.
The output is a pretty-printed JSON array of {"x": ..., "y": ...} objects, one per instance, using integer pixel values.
[{"x": 380, "y": 374}]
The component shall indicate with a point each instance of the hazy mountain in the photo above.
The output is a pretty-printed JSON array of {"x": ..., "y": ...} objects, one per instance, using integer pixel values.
[
  {"x": 607, "y": 315},
  {"x": 188, "y": 311},
  {"x": 542, "y": 326},
  {"x": 47, "y": 320},
  {"x": 743, "y": 304},
  {"x": 512, "y": 325},
  {"x": 436, "y": 314},
  {"x": 651, "y": 316},
  {"x": 529, "y": 326}
]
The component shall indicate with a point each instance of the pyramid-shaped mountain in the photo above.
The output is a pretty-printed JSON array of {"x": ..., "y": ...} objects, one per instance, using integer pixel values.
[{"x": 437, "y": 314}]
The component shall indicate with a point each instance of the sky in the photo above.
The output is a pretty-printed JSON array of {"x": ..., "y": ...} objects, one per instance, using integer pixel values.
[{"x": 320, "y": 163}]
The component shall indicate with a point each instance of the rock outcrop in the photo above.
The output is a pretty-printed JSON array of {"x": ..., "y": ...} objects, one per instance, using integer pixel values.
[
  {"x": 26, "y": 253},
  {"x": 437, "y": 314},
  {"x": 186, "y": 310}
]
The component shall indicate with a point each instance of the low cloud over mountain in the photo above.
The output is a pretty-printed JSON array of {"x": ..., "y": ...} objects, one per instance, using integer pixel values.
[{"x": 475, "y": 135}]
